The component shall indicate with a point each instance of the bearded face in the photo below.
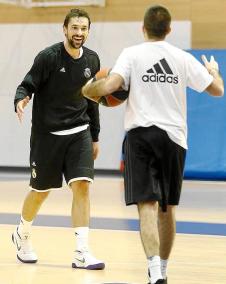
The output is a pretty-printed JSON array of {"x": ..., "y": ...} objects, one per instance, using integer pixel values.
[{"x": 77, "y": 32}]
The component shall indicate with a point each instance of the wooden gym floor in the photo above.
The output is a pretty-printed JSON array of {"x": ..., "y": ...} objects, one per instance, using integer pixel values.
[{"x": 198, "y": 257}]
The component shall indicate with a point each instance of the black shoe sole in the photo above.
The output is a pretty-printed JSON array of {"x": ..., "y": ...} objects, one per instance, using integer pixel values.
[
  {"x": 26, "y": 261},
  {"x": 162, "y": 282}
]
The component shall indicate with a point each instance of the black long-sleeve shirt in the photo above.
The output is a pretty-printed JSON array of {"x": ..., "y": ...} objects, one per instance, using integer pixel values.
[{"x": 56, "y": 79}]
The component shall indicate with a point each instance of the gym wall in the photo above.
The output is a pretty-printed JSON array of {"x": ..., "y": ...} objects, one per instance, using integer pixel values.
[{"x": 206, "y": 16}]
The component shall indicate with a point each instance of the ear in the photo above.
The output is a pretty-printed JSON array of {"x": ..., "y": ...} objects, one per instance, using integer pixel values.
[
  {"x": 144, "y": 32},
  {"x": 169, "y": 30},
  {"x": 143, "y": 29},
  {"x": 64, "y": 30}
]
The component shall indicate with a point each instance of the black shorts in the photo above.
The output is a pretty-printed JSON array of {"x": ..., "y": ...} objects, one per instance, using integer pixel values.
[
  {"x": 154, "y": 167},
  {"x": 54, "y": 156}
]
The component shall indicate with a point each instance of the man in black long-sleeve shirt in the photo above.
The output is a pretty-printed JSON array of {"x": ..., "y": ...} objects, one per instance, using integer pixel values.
[{"x": 64, "y": 135}]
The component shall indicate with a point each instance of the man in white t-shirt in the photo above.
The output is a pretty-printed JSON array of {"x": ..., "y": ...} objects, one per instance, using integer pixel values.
[{"x": 157, "y": 74}]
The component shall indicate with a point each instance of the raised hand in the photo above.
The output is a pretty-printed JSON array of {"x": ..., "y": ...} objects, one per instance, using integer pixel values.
[{"x": 211, "y": 65}]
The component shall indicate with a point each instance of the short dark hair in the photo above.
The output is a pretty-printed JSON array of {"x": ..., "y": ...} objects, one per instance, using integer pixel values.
[
  {"x": 76, "y": 13},
  {"x": 157, "y": 21}
]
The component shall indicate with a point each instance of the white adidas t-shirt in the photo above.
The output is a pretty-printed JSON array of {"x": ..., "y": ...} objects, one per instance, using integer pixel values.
[{"x": 157, "y": 74}]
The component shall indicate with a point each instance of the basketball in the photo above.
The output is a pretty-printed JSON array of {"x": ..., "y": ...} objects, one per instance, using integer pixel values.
[{"x": 114, "y": 99}]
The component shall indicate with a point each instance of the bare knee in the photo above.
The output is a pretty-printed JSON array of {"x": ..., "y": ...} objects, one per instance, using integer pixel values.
[
  {"x": 39, "y": 197},
  {"x": 80, "y": 188},
  {"x": 147, "y": 207},
  {"x": 170, "y": 213}
]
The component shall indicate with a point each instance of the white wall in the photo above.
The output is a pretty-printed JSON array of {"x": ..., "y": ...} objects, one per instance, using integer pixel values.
[{"x": 21, "y": 42}]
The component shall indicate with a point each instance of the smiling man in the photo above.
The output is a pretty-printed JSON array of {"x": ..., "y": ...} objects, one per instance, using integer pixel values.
[{"x": 64, "y": 135}]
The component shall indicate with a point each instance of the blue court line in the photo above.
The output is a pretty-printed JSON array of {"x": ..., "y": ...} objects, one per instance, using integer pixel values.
[{"x": 183, "y": 227}]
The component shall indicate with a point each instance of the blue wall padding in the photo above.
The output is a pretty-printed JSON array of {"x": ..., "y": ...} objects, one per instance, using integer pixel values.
[{"x": 206, "y": 156}]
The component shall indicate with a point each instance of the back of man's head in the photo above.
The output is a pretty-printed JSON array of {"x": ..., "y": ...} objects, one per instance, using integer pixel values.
[{"x": 157, "y": 21}]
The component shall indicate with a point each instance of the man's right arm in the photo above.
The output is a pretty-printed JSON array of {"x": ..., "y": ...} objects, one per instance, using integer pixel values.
[
  {"x": 111, "y": 83},
  {"x": 23, "y": 95},
  {"x": 103, "y": 87},
  {"x": 30, "y": 84},
  {"x": 22, "y": 92}
]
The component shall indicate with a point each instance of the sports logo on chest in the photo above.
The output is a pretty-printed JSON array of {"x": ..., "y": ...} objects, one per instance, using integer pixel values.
[{"x": 87, "y": 73}]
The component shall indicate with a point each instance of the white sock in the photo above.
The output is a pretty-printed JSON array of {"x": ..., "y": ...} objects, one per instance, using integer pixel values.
[
  {"x": 81, "y": 234},
  {"x": 24, "y": 227},
  {"x": 154, "y": 268},
  {"x": 164, "y": 267}
]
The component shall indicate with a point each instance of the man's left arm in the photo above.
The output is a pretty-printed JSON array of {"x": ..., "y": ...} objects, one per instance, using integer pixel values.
[{"x": 93, "y": 113}]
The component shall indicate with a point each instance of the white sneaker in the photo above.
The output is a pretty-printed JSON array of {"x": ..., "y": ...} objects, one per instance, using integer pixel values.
[
  {"x": 84, "y": 260},
  {"x": 24, "y": 248}
]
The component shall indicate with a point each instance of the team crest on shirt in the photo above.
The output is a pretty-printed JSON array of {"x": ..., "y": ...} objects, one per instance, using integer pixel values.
[
  {"x": 33, "y": 173},
  {"x": 87, "y": 73}
]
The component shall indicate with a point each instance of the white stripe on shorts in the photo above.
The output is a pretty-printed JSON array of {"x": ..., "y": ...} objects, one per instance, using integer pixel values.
[{"x": 80, "y": 178}]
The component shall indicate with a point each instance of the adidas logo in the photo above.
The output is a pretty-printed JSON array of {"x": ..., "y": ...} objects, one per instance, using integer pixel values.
[
  {"x": 62, "y": 69},
  {"x": 160, "y": 73}
]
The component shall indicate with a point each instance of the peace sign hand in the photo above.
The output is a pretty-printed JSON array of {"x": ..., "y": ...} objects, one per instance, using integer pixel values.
[{"x": 211, "y": 65}]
